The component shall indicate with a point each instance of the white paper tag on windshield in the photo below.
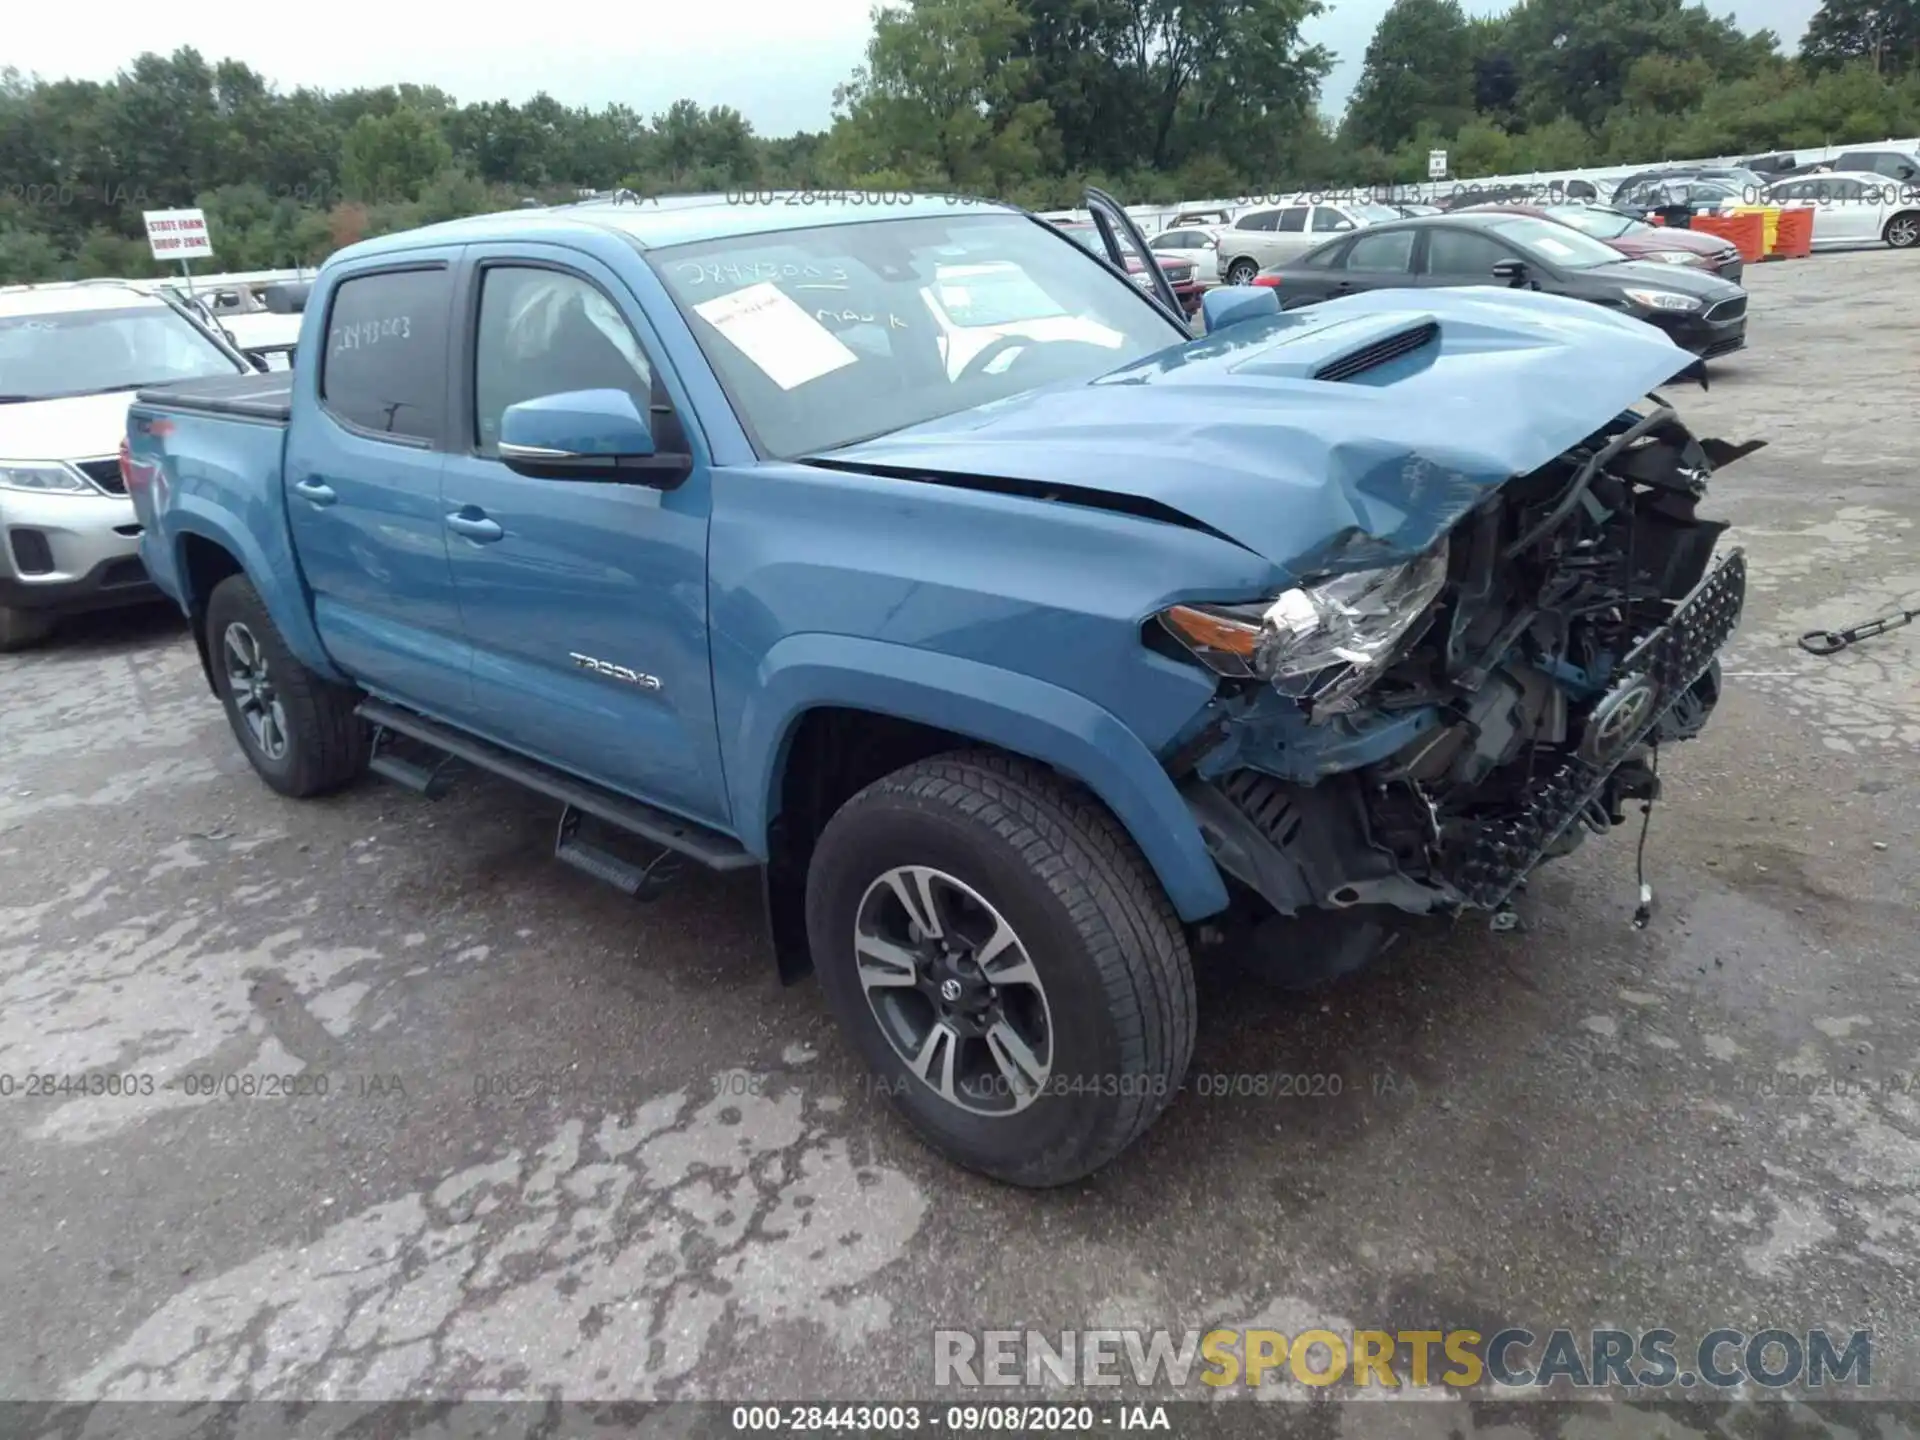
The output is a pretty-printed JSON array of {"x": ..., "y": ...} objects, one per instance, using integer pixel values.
[{"x": 766, "y": 325}]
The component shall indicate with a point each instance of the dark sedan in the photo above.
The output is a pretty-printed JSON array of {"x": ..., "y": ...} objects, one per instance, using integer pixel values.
[
  {"x": 1638, "y": 240},
  {"x": 1701, "y": 312}
]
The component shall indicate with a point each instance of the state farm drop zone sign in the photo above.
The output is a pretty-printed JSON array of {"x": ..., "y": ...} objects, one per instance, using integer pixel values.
[{"x": 177, "y": 234}]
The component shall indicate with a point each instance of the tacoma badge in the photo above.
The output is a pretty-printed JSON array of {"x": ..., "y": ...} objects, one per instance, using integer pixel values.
[{"x": 615, "y": 672}]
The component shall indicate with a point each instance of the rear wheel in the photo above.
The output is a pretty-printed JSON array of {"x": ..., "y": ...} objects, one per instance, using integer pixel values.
[
  {"x": 298, "y": 730},
  {"x": 1006, "y": 963},
  {"x": 1242, "y": 271},
  {"x": 21, "y": 628},
  {"x": 1903, "y": 230}
]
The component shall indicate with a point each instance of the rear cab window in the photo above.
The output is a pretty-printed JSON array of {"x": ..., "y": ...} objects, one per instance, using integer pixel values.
[{"x": 384, "y": 371}]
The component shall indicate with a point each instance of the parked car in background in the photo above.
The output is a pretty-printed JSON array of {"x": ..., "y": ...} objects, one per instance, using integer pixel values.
[
  {"x": 1262, "y": 238},
  {"x": 1208, "y": 219},
  {"x": 70, "y": 357},
  {"x": 1855, "y": 209},
  {"x": 1181, "y": 274},
  {"x": 1638, "y": 240},
  {"x": 1198, "y": 245},
  {"x": 1698, "y": 311},
  {"x": 1675, "y": 200},
  {"x": 1738, "y": 178},
  {"x": 1012, "y": 684},
  {"x": 1899, "y": 165}
]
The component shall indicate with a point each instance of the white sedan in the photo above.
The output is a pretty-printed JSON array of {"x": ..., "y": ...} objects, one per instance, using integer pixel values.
[
  {"x": 1855, "y": 209},
  {"x": 1199, "y": 244}
]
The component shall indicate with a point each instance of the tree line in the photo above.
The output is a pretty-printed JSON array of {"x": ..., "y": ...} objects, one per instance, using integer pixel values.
[{"x": 1028, "y": 100}]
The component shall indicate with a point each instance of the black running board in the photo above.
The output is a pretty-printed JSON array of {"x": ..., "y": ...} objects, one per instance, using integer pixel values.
[{"x": 684, "y": 837}]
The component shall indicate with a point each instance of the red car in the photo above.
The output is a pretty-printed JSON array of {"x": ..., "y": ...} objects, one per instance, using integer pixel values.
[
  {"x": 1187, "y": 288},
  {"x": 1638, "y": 240}
]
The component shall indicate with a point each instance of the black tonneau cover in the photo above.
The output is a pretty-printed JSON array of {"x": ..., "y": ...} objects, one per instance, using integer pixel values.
[{"x": 265, "y": 396}]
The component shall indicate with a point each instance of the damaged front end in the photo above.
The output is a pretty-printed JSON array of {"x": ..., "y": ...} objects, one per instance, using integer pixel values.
[{"x": 1421, "y": 736}]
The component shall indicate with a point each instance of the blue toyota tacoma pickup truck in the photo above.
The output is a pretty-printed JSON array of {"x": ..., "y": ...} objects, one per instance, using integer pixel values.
[{"x": 915, "y": 556}]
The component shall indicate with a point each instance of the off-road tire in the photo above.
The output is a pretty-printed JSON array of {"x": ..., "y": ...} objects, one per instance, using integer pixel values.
[
  {"x": 20, "y": 629},
  {"x": 327, "y": 743},
  {"x": 1092, "y": 918}
]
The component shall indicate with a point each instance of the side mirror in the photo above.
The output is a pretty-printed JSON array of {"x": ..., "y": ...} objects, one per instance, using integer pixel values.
[
  {"x": 287, "y": 298},
  {"x": 1230, "y": 304},
  {"x": 1514, "y": 272},
  {"x": 586, "y": 435}
]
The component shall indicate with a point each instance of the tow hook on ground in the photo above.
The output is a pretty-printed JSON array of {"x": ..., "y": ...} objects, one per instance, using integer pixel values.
[{"x": 1832, "y": 642}]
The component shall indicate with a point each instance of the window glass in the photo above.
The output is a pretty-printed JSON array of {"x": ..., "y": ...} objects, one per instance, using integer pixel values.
[
  {"x": 1555, "y": 243},
  {"x": 833, "y": 334},
  {"x": 386, "y": 359},
  {"x": 87, "y": 352},
  {"x": 1389, "y": 250},
  {"x": 1292, "y": 220},
  {"x": 1465, "y": 252},
  {"x": 1327, "y": 220},
  {"x": 543, "y": 332},
  {"x": 1259, "y": 220}
]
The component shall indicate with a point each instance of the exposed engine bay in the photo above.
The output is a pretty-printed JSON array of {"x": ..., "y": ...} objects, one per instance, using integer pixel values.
[{"x": 1567, "y": 629}]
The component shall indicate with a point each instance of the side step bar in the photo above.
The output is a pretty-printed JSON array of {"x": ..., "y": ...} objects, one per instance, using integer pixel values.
[{"x": 581, "y": 798}]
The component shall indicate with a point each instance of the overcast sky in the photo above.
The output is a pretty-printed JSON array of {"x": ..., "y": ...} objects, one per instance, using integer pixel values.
[{"x": 774, "y": 60}]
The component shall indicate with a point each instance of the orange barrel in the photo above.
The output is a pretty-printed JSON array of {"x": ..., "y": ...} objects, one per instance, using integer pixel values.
[
  {"x": 1770, "y": 218},
  {"x": 1796, "y": 232},
  {"x": 1748, "y": 232}
]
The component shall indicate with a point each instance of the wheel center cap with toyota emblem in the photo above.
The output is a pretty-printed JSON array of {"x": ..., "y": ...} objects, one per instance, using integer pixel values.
[
  {"x": 951, "y": 991},
  {"x": 1617, "y": 720}
]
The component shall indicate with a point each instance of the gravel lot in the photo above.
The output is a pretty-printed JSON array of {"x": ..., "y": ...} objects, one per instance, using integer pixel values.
[{"x": 1577, "y": 1124}]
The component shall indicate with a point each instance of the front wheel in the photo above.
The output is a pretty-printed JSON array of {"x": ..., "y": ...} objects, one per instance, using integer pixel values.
[
  {"x": 1903, "y": 231},
  {"x": 299, "y": 730},
  {"x": 1241, "y": 272},
  {"x": 1006, "y": 963}
]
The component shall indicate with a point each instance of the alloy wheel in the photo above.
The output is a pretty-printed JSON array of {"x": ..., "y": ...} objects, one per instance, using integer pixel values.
[
  {"x": 1904, "y": 231},
  {"x": 255, "y": 696},
  {"x": 954, "y": 990}
]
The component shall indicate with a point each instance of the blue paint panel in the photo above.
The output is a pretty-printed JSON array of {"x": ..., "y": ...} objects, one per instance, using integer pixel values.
[{"x": 612, "y": 572}]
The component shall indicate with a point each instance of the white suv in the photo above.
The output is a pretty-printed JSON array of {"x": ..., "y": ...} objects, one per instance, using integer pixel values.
[
  {"x": 71, "y": 356},
  {"x": 1260, "y": 239}
]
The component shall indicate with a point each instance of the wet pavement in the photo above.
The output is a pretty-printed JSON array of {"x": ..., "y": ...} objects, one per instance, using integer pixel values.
[{"x": 570, "y": 1145}]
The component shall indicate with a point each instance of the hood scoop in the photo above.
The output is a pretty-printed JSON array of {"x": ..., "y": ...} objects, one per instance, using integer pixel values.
[{"x": 1343, "y": 348}]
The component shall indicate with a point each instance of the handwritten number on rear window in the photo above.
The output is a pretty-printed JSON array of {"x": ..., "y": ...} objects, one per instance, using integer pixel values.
[{"x": 361, "y": 334}]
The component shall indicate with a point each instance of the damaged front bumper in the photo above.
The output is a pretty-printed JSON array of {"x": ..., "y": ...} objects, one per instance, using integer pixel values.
[{"x": 1578, "y": 633}]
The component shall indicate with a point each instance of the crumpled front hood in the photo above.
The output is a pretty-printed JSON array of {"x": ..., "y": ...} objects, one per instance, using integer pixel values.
[{"x": 1231, "y": 431}]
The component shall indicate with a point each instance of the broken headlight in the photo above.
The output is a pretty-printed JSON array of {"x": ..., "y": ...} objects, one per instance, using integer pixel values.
[{"x": 1324, "y": 642}]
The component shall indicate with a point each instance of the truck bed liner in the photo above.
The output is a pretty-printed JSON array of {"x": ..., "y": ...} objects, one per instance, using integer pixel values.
[{"x": 266, "y": 397}]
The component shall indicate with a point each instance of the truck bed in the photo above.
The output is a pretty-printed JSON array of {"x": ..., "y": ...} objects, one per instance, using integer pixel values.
[{"x": 267, "y": 398}]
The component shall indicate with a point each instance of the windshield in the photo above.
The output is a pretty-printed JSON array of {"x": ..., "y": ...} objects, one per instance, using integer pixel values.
[
  {"x": 85, "y": 352},
  {"x": 1555, "y": 243},
  {"x": 826, "y": 336},
  {"x": 1601, "y": 224}
]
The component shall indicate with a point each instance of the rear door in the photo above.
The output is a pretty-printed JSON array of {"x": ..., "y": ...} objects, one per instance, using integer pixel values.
[
  {"x": 584, "y": 602},
  {"x": 362, "y": 477},
  {"x": 1290, "y": 238}
]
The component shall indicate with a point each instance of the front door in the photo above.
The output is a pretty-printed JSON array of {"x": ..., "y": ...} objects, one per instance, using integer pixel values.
[
  {"x": 585, "y": 601},
  {"x": 363, "y": 484}
]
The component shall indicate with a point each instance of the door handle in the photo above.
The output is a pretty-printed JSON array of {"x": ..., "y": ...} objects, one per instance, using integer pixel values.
[
  {"x": 315, "y": 491},
  {"x": 475, "y": 527}
]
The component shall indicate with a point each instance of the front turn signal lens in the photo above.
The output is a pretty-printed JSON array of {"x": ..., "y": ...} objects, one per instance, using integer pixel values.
[{"x": 1224, "y": 643}]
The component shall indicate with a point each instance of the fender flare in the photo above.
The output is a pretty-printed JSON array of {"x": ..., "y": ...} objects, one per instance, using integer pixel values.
[
  {"x": 272, "y": 569},
  {"x": 983, "y": 702}
]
